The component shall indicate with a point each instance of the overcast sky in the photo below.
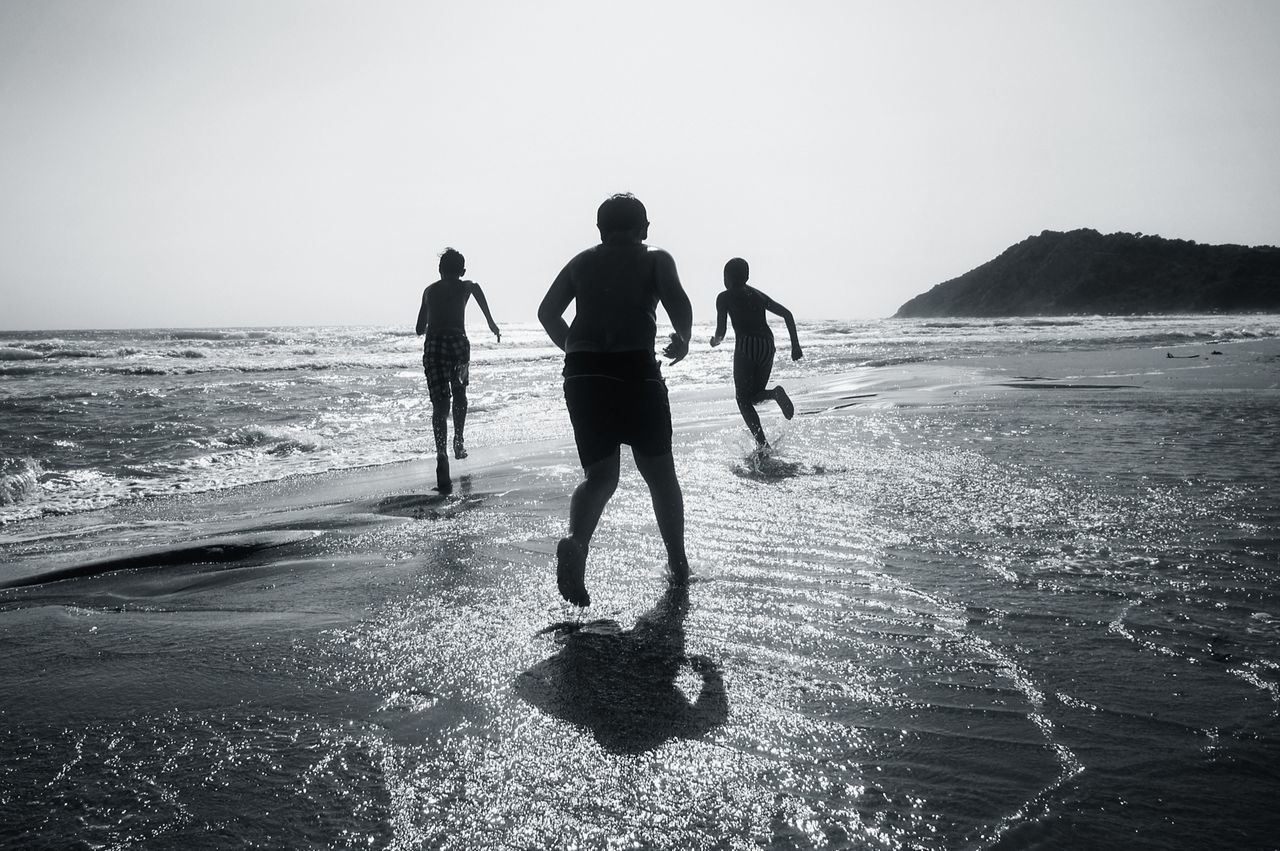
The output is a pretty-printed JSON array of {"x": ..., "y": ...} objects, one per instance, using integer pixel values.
[{"x": 210, "y": 163}]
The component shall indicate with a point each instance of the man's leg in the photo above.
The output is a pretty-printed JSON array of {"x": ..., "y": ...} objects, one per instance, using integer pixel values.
[
  {"x": 459, "y": 419},
  {"x": 659, "y": 472},
  {"x": 585, "y": 508}
]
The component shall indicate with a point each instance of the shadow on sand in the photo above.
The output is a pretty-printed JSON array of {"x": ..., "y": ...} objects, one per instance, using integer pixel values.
[
  {"x": 432, "y": 506},
  {"x": 622, "y": 684}
]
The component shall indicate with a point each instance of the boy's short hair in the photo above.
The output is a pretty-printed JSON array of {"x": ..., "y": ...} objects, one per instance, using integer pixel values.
[
  {"x": 622, "y": 212},
  {"x": 737, "y": 270},
  {"x": 452, "y": 262}
]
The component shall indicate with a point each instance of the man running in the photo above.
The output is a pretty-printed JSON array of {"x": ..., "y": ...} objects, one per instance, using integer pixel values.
[
  {"x": 753, "y": 347},
  {"x": 613, "y": 386},
  {"x": 446, "y": 355}
]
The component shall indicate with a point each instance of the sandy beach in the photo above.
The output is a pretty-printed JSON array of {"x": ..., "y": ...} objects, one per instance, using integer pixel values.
[{"x": 930, "y": 618}]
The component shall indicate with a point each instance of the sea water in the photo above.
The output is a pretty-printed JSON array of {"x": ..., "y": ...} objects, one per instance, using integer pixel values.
[
  {"x": 92, "y": 418},
  {"x": 1039, "y": 619}
]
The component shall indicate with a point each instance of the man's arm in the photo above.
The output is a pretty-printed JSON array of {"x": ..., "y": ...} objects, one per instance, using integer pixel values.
[
  {"x": 484, "y": 308},
  {"x": 554, "y": 304},
  {"x": 722, "y": 313},
  {"x": 675, "y": 301},
  {"x": 774, "y": 307},
  {"x": 421, "y": 327}
]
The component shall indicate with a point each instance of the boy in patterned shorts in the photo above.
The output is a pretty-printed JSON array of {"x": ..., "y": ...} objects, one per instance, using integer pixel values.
[{"x": 446, "y": 355}]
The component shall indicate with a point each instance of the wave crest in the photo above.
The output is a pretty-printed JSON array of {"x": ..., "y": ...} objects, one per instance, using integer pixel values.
[
  {"x": 19, "y": 479},
  {"x": 12, "y": 353}
]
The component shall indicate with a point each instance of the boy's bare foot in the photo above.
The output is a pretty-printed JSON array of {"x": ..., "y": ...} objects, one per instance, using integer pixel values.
[
  {"x": 678, "y": 574},
  {"x": 571, "y": 571},
  {"x": 459, "y": 451},
  {"x": 784, "y": 402}
]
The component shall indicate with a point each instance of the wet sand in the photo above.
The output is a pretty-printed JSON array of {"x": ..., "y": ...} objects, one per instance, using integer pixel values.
[{"x": 384, "y": 663}]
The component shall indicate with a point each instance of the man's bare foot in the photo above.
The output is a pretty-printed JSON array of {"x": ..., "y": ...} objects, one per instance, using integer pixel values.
[
  {"x": 678, "y": 573},
  {"x": 784, "y": 402},
  {"x": 443, "y": 484},
  {"x": 571, "y": 571},
  {"x": 459, "y": 451}
]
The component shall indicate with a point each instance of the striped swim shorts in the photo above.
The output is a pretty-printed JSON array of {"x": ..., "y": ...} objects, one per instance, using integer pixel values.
[{"x": 752, "y": 364}]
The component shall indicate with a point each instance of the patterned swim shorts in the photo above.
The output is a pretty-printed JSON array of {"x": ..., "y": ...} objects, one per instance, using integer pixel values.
[{"x": 446, "y": 361}]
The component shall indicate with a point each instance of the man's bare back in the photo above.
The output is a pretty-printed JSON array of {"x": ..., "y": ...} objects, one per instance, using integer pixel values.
[{"x": 617, "y": 287}]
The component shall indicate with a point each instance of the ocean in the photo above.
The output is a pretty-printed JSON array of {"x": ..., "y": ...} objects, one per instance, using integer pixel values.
[{"x": 999, "y": 584}]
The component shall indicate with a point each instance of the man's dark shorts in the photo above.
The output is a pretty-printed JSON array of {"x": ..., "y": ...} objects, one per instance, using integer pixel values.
[
  {"x": 615, "y": 398},
  {"x": 446, "y": 361}
]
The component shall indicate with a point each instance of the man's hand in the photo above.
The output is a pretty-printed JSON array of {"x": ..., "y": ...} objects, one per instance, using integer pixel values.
[
  {"x": 796, "y": 354},
  {"x": 715, "y": 341},
  {"x": 676, "y": 349}
]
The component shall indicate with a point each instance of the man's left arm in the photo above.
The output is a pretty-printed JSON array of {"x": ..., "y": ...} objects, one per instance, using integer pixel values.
[{"x": 675, "y": 301}]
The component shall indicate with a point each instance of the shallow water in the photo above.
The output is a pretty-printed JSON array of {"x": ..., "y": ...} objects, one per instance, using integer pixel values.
[{"x": 1008, "y": 619}]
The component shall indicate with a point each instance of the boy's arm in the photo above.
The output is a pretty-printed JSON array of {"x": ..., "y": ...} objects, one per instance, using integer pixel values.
[
  {"x": 484, "y": 308},
  {"x": 554, "y": 304},
  {"x": 722, "y": 313},
  {"x": 421, "y": 327},
  {"x": 773, "y": 306},
  {"x": 675, "y": 301}
]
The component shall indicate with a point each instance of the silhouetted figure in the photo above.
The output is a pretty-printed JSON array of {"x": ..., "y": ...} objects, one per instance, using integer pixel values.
[
  {"x": 613, "y": 386},
  {"x": 622, "y": 685},
  {"x": 446, "y": 355},
  {"x": 753, "y": 344}
]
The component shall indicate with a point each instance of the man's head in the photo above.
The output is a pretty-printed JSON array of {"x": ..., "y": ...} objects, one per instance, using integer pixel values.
[
  {"x": 622, "y": 218},
  {"x": 736, "y": 273},
  {"x": 452, "y": 264}
]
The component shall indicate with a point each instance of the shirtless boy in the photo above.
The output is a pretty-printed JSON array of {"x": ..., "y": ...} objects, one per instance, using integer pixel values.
[
  {"x": 612, "y": 383},
  {"x": 753, "y": 347},
  {"x": 446, "y": 354}
]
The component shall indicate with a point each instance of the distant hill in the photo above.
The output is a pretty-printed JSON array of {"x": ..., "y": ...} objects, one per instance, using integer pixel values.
[{"x": 1083, "y": 271}]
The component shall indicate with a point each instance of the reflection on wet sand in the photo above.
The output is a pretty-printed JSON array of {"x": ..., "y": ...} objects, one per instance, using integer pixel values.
[{"x": 622, "y": 685}]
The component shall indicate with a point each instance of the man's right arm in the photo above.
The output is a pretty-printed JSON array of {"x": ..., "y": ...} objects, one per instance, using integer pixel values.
[{"x": 554, "y": 304}]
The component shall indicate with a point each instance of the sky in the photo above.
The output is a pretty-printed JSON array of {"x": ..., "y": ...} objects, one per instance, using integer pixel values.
[{"x": 208, "y": 163}]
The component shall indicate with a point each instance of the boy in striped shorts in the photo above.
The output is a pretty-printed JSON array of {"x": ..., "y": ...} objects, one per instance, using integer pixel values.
[{"x": 753, "y": 348}]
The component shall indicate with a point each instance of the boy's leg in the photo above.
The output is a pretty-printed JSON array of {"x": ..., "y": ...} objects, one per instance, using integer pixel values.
[
  {"x": 659, "y": 472},
  {"x": 459, "y": 419},
  {"x": 585, "y": 507},
  {"x": 779, "y": 395},
  {"x": 440, "y": 429},
  {"x": 750, "y": 374},
  {"x": 752, "y": 419}
]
